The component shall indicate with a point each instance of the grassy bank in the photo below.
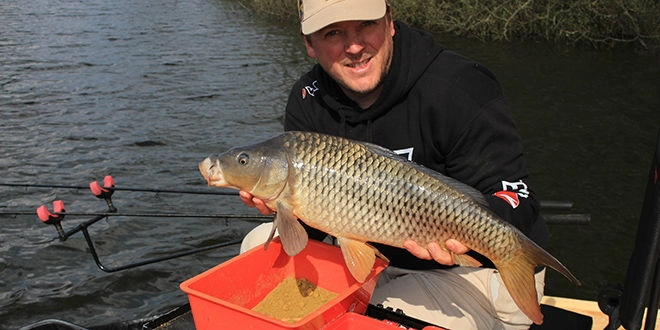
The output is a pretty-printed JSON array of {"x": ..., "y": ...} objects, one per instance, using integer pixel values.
[{"x": 597, "y": 23}]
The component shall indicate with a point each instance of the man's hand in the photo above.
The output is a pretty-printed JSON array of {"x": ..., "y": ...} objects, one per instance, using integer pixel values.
[
  {"x": 434, "y": 252},
  {"x": 251, "y": 201}
]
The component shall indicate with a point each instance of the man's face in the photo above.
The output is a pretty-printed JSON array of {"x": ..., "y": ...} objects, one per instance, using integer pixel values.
[{"x": 356, "y": 54}]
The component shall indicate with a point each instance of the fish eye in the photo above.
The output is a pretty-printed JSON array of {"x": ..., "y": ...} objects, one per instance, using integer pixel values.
[{"x": 243, "y": 159}]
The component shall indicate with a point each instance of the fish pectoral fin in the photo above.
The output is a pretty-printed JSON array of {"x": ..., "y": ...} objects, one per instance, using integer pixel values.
[
  {"x": 292, "y": 234},
  {"x": 518, "y": 277},
  {"x": 465, "y": 260},
  {"x": 359, "y": 257}
]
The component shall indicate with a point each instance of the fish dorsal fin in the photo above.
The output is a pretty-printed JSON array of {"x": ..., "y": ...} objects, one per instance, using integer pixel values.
[
  {"x": 292, "y": 234},
  {"x": 359, "y": 257},
  {"x": 465, "y": 189}
]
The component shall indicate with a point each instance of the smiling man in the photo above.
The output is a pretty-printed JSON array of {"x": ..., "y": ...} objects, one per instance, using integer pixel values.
[
  {"x": 356, "y": 54},
  {"x": 379, "y": 81}
]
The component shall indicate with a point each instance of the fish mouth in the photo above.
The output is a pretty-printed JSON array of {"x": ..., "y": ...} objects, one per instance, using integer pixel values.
[{"x": 212, "y": 172}]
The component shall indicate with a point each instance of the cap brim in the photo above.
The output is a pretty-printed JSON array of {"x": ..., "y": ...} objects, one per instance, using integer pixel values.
[{"x": 340, "y": 11}]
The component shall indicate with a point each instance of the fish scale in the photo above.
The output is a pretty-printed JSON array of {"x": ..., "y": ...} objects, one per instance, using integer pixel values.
[{"x": 361, "y": 193}]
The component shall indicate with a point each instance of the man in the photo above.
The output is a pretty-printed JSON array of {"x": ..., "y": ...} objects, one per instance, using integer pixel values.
[{"x": 380, "y": 81}]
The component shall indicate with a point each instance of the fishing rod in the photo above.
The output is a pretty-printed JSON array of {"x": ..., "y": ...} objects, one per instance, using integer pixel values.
[
  {"x": 148, "y": 215},
  {"x": 108, "y": 183},
  {"x": 107, "y": 269},
  {"x": 553, "y": 219}
]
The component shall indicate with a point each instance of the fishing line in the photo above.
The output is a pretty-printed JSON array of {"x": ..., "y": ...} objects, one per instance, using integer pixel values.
[
  {"x": 153, "y": 190},
  {"x": 148, "y": 215}
]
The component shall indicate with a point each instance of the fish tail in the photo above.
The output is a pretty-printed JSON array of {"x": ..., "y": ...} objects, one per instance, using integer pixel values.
[
  {"x": 518, "y": 276},
  {"x": 539, "y": 256}
]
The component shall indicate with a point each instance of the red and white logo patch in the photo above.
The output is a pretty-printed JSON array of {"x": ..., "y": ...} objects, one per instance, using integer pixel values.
[
  {"x": 310, "y": 90},
  {"x": 509, "y": 197}
]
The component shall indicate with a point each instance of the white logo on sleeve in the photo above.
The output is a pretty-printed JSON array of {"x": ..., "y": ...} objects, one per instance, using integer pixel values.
[
  {"x": 406, "y": 153},
  {"x": 519, "y": 187}
]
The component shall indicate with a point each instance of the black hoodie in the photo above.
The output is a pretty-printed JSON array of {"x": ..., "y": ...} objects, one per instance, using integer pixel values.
[{"x": 438, "y": 109}]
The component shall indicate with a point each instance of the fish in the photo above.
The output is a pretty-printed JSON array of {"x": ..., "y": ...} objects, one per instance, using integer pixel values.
[{"x": 363, "y": 193}]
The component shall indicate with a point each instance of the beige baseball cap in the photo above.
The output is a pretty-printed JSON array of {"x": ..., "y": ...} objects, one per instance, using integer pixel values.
[{"x": 317, "y": 14}]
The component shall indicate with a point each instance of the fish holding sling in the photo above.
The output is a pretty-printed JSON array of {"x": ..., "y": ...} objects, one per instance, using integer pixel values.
[{"x": 360, "y": 192}]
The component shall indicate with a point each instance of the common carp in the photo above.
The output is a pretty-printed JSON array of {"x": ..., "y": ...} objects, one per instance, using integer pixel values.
[{"x": 360, "y": 192}]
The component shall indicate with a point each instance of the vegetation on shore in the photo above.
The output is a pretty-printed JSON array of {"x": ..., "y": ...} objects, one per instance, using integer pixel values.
[{"x": 598, "y": 23}]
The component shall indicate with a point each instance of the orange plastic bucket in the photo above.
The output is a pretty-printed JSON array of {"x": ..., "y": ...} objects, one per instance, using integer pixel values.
[{"x": 222, "y": 297}]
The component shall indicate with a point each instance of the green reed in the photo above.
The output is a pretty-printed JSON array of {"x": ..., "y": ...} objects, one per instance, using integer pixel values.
[{"x": 598, "y": 23}]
